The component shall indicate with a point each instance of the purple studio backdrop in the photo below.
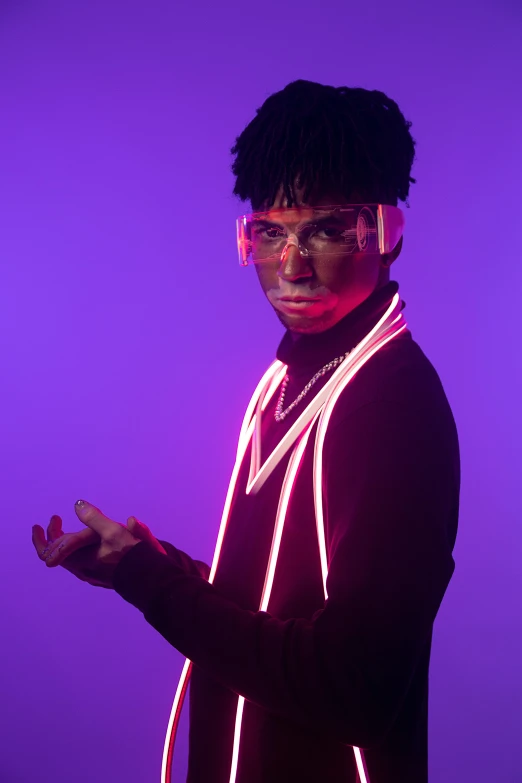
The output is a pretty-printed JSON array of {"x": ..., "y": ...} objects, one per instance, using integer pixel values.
[{"x": 131, "y": 339}]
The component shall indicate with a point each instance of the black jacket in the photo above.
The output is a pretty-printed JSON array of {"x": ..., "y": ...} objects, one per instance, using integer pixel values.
[{"x": 319, "y": 677}]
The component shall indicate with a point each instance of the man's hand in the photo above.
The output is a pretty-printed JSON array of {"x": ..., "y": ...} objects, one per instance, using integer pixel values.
[{"x": 91, "y": 554}]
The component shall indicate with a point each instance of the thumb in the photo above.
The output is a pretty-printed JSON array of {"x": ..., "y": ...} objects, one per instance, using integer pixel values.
[{"x": 141, "y": 531}]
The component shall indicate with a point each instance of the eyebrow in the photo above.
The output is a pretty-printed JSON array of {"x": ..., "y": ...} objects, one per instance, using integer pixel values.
[
  {"x": 264, "y": 222},
  {"x": 320, "y": 219}
]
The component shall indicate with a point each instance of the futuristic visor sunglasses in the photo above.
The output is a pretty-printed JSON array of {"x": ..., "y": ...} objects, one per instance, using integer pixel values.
[{"x": 318, "y": 231}]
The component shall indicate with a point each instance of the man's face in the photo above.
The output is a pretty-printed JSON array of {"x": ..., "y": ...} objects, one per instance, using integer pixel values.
[{"x": 329, "y": 287}]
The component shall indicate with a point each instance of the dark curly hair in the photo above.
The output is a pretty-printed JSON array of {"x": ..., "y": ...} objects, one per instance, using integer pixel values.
[{"x": 312, "y": 135}]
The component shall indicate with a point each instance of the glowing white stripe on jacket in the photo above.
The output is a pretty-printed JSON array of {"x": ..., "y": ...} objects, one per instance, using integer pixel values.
[
  {"x": 244, "y": 437},
  {"x": 320, "y": 407}
]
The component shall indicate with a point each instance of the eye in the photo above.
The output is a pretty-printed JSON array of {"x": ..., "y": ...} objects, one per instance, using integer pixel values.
[
  {"x": 330, "y": 233},
  {"x": 323, "y": 232},
  {"x": 273, "y": 232},
  {"x": 265, "y": 231}
]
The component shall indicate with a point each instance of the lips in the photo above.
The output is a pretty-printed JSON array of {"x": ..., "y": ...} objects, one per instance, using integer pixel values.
[
  {"x": 300, "y": 305},
  {"x": 298, "y": 299}
]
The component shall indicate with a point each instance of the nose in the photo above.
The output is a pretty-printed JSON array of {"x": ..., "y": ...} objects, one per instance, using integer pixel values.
[{"x": 293, "y": 266}]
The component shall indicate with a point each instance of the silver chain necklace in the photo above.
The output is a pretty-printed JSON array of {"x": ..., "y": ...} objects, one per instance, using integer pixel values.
[{"x": 281, "y": 414}]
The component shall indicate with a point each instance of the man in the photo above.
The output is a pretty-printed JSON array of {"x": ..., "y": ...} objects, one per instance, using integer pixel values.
[{"x": 308, "y": 641}]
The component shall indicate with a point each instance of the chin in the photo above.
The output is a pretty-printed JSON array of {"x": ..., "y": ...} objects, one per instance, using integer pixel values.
[{"x": 300, "y": 325}]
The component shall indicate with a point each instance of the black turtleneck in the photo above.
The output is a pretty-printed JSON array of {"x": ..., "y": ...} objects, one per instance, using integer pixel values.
[
  {"x": 319, "y": 677},
  {"x": 307, "y": 352}
]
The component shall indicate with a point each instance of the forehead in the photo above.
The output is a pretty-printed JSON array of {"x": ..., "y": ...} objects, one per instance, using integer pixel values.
[{"x": 318, "y": 197}]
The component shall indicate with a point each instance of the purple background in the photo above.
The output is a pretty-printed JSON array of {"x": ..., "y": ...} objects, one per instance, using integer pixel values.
[{"x": 131, "y": 339}]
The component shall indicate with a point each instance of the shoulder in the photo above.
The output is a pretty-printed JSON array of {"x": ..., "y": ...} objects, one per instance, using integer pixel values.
[
  {"x": 398, "y": 385},
  {"x": 399, "y": 372}
]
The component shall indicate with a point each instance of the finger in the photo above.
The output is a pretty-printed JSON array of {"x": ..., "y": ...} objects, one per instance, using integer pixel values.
[
  {"x": 63, "y": 547},
  {"x": 54, "y": 528},
  {"x": 141, "y": 531},
  {"x": 93, "y": 518},
  {"x": 39, "y": 541}
]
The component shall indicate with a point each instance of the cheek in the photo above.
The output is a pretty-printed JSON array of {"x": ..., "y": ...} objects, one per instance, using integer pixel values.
[
  {"x": 336, "y": 274},
  {"x": 354, "y": 271},
  {"x": 267, "y": 276}
]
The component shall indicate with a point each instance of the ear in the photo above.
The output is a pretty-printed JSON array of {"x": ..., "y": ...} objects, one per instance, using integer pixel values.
[{"x": 387, "y": 259}]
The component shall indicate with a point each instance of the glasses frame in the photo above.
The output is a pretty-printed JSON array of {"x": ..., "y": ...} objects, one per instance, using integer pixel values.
[{"x": 390, "y": 227}]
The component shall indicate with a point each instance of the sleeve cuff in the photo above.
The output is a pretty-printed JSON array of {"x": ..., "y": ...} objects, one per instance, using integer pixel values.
[{"x": 140, "y": 574}]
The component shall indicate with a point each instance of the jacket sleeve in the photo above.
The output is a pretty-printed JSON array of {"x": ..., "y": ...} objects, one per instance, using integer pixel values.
[
  {"x": 391, "y": 483},
  {"x": 185, "y": 562}
]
